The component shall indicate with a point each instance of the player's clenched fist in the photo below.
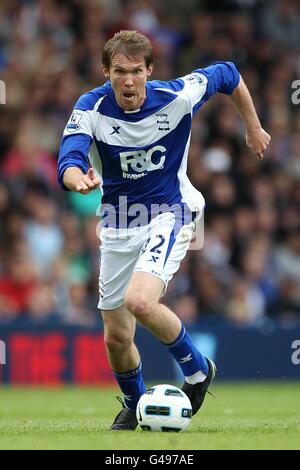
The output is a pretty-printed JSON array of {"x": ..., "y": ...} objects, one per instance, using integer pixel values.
[{"x": 258, "y": 140}]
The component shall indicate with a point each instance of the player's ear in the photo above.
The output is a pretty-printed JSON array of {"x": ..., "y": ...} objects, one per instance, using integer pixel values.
[
  {"x": 105, "y": 71},
  {"x": 149, "y": 70}
]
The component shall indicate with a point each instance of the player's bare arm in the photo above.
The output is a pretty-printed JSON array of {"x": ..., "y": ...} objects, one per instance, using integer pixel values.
[
  {"x": 256, "y": 137},
  {"x": 75, "y": 180}
]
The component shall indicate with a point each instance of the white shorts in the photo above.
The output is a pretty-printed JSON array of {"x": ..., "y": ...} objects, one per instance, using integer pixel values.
[{"x": 156, "y": 248}]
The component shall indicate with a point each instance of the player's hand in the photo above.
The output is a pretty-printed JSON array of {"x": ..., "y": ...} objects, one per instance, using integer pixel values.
[
  {"x": 88, "y": 182},
  {"x": 258, "y": 141}
]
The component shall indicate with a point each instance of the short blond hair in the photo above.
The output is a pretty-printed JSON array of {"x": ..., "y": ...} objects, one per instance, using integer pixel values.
[{"x": 131, "y": 44}]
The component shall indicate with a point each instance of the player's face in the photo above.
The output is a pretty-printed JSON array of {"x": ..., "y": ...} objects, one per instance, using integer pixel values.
[{"x": 128, "y": 76}]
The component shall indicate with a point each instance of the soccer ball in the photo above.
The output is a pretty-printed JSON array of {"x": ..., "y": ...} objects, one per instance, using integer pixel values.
[{"x": 164, "y": 408}]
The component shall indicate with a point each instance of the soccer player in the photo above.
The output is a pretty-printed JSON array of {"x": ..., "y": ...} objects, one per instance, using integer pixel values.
[{"x": 132, "y": 136}]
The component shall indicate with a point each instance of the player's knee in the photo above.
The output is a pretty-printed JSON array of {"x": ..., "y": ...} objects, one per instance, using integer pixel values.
[
  {"x": 139, "y": 305},
  {"x": 118, "y": 342}
]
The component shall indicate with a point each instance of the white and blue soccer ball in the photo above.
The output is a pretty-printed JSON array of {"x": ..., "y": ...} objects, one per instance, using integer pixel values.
[{"x": 164, "y": 408}]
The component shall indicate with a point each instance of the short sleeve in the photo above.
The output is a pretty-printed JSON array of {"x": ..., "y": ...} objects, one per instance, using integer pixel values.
[
  {"x": 222, "y": 77},
  {"x": 201, "y": 84}
]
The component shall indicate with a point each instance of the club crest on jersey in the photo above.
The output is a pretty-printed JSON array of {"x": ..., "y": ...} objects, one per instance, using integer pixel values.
[
  {"x": 162, "y": 121},
  {"x": 140, "y": 162},
  {"x": 73, "y": 124}
]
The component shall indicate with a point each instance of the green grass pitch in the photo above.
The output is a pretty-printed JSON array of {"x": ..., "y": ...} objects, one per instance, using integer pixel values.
[{"x": 248, "y": 415}]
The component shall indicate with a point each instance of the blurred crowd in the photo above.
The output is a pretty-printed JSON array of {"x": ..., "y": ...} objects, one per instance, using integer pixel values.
[{"x": 50, "y": 53}]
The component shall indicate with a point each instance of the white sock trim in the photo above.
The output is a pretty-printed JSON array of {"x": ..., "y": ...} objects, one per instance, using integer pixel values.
[{"x": 196, "y": 378}]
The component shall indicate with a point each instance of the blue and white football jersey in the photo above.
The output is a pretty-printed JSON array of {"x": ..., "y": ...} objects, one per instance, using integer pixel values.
[{"x": 142, "y": 155}]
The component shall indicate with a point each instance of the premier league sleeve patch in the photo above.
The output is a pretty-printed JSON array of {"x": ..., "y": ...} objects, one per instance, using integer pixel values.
[{"x": 74, "y": 122}]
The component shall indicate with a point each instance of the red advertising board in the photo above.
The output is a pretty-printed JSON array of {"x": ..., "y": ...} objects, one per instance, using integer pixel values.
[{"x": 54, "y": 358}]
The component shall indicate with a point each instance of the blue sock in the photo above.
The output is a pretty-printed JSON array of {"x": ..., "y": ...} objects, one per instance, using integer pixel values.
[
  {"x": 132, "y": 385},
  {"x": 187, "y": 356}
]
